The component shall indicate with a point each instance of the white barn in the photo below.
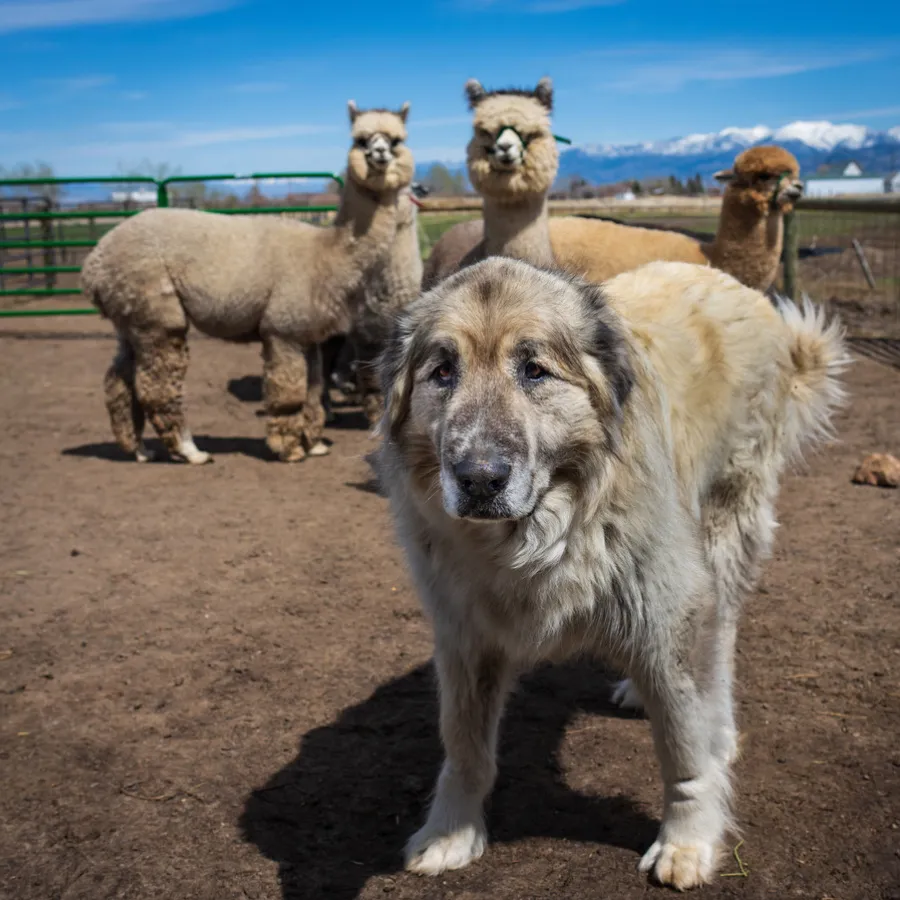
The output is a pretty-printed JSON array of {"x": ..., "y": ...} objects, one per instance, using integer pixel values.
[{"x": 850, "y": 181}]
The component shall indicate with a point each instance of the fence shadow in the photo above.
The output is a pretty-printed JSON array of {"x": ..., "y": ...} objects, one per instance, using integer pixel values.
[{"x": 341, "y": 811}]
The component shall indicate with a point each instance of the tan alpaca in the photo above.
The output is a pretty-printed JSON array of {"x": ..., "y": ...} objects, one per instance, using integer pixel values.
[
  {"x": 392, "y": 286},
  {"x": 286, "y": 283},
  {"x": 761, "y": 188}
]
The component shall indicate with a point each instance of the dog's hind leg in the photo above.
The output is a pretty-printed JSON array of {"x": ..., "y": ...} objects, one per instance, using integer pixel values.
[
  {"x": 473, "y": 690},
  {"x": 739, "y": 526},
  {"x": 126, "y": 415}
]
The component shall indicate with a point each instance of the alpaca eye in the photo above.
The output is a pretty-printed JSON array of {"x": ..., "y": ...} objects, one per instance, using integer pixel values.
[
  {"x": 396, "y": 142},
  {"x": 443, "y": 374},
  {"x": 361, "y": 142},
  {"x": 535, "y": 372}
]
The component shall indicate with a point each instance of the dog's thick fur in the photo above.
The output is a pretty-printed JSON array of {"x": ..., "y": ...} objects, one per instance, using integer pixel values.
[{"x": 635, "y": 434}]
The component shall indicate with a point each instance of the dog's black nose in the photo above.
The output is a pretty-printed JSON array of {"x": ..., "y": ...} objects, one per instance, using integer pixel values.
[{"x": 482, "y": 477}]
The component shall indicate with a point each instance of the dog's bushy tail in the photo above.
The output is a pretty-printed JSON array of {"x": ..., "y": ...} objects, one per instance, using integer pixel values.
[{"x": 819, "y": 356}]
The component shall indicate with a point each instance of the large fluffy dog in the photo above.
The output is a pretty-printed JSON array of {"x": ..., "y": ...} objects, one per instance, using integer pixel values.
[{"x": 575, "y": 468}]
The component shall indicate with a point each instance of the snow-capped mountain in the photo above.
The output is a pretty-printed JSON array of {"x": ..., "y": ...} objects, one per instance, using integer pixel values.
[{"x": 813, "y": 143}]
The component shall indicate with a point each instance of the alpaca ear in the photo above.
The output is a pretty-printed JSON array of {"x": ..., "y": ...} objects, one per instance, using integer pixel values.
[
  {"x": 544, "y": 92},
  {"x": 404, "y": 112},
  {"x": 474, "y": 92},
  {"x": 394, "y": 369},
  {"x": 353, "y": 109},
  {"x": 724, "y": 175}
]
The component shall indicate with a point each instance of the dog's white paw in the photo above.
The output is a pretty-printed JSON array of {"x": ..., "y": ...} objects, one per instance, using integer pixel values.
[
  {"x": 429, "y": 852},
  {"x": 626, "y": 696},
  {"x": 681, "y": 866}
]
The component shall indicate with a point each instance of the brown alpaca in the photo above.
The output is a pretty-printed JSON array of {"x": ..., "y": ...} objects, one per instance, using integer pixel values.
[
  {"x": 285, "y": 283},
  {"x": 761, "y": 188}
]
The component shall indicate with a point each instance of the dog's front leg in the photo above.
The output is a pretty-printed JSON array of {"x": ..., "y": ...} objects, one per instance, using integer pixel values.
[
  {"x": 696, "y": 803},
  {"x": 473, "y": 686}
]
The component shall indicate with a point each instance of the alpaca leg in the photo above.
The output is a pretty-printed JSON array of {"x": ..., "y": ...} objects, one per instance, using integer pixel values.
[
  {"x": 367, "y": 382},
  {"x": 314, "y": 412},
  {"x": 126, "y": 415},
  {"x": 285, "y": 391},
  {"x": 161, "y": 365}
]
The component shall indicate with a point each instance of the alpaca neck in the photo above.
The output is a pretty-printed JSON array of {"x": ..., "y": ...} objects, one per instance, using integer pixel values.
[
  {"x": 364, "y": 227},
  {"x": 519, "y": 229},
  {"x": 748, "y": 242}
]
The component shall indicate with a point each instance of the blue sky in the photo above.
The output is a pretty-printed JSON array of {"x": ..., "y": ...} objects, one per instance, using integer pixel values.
[{"x": 93, "y": 85}]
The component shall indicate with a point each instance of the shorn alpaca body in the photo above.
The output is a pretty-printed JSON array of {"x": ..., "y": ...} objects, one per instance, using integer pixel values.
[
  {"x": 760, "y": 188},
  {"x": 393, "y": 285},
  {"x": 287, "y": 284},
  {"x": 592, "y": 469}
]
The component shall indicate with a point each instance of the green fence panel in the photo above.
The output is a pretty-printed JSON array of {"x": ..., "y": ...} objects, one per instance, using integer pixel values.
[{"x": 43, "y": 241}]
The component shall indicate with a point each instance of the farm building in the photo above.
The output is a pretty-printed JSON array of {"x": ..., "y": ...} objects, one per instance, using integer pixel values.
[
  {"x": 893, "y": 183},
  {"x": 847, "y": 179},
  {"x": 142, "y": 197}
]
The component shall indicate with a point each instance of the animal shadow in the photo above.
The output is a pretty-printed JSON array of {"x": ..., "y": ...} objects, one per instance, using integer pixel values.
[
  {"x": 341, "y": 812},
  {"x": 247, "y": 389},
  {"x": 243, "y": 446}
]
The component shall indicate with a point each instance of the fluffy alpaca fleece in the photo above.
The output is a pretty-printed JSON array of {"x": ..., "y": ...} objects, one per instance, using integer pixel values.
[
  {"x": 760, "y": 188},
  {"x": 576, "y": 468},
  {"x": 393, "y": 285},
  {"x": 286, "y": 283}
]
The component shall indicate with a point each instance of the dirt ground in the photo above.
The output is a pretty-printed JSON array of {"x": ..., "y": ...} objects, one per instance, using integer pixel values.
[{"x": 215, "y": 682}]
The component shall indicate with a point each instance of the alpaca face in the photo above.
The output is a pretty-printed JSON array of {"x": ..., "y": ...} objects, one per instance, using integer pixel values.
[
  {"x": 379, "y": 158},
  {"x": 767, "y": 178},
  {"x": 512, "y": 151}
]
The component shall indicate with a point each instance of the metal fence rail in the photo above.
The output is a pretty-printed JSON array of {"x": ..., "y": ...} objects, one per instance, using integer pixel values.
[{"x": 39, "y": 233}]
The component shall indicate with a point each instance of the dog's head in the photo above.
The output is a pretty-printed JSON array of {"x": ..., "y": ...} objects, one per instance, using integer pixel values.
[{"x": 499, "y": 383}]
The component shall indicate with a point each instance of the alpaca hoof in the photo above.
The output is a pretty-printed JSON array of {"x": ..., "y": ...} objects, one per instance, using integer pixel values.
[
  {"x": 142, "y": 454},
  {"x": 295, "y": 454},
  {"x": 200, "y": 458},
  {"x": 320, "y": 448}
]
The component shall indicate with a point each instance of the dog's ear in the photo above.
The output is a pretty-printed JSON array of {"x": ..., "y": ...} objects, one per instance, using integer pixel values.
[
  {"x": 544, "y": 92},
  {"x": 608, "y": 346},
  {"x": 395, "y": 372},
  {"x": 475, "y": 93}
]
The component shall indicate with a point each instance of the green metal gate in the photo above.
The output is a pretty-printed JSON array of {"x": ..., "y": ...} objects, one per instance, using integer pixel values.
[{"x": 49, "y": 246}]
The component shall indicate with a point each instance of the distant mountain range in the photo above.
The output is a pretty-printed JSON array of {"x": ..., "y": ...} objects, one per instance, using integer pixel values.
[{"x": 813, "y": 143}]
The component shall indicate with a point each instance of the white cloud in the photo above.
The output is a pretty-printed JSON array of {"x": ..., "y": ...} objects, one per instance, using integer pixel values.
[
  {"x": 175, "y": 139},
  {"x": 24, "y": 15},
  {"x": 79, "y": 83},
  {"x": 135, "y": 95},
  {"x": 663, "y": 68},
  {"x": 541, "y": 7},
  {"x": 259, "y": 87}
]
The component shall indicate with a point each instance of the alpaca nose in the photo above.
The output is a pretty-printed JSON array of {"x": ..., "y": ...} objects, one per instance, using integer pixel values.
[{"x": 482, "y": 476}]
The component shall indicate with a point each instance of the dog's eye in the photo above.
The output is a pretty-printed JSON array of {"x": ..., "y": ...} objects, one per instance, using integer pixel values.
[
  {"x": 443, "y": 374},
  {"x": 535, "y": 372}
]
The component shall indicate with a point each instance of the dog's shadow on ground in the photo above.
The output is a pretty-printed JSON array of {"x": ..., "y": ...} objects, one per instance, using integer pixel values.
[{"x": 341, "y": 812}]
